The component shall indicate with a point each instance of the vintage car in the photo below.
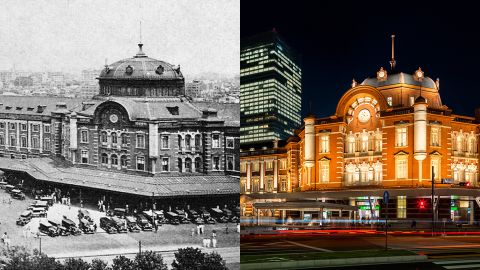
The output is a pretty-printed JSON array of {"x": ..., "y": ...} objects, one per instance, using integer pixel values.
[
  {"x": 17, "y": 194},
  {"x": 143, "y": 222},
  {"x": 160, "y": 217},
  {"x": 47, "y": 228},
  {"x": 172, "y": 218},
  {"x": 207, "y": 217},
  {"x": 120, "y": 224},
  {"x": 82, "y": 213},
  {"x": 107, "y": 224},
  {"x": 87, "y": 226},
  {"x": 48, "y": 199},
  {"x": 194, "y": 217},
  {"x": 71, "y": 226},
  {"x": 39, "y": 212},
  {"x": 61, "y": 230},
  {"x": 132, "y": 225},
  {"x": 117, "y": 212},
  {"x": 9, "y": 188},
  {"x": 24, "y": 218},
  {"x": 218, "y": 215},
  {"x": 152, "y": 217},
  {"x": 38, "y": 204},
  {"x": 182, "y": 217},
  {"x": 3, "y": 184}
]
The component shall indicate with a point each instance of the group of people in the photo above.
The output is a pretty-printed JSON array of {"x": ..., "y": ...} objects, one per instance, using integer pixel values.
[
  {"x": 210, "y": 241},
  {"x": 6, "y": 240}
]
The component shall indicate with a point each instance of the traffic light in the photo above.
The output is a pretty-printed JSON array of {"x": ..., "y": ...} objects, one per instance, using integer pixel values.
[
  {"x": 421, "y": 204},
  {"x": 467, "y": 184}
]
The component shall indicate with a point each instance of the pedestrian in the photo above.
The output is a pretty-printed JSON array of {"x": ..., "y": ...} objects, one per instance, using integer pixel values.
[
  {"x": 226, "y": 228},
  {"x": 7, "y": 241},
  {"x": 238, "y": 227},
  {"x": 193, "y": 232},
  {"x": 208, "y": 242},
  {"x": 214, "y": 242},
  {"x": 95, "y": 227},
  {"x": 214, "y": 233},
  {"x": 198, "y": 229},
  {"x": 414, "y": 224},
  {"x": 204, "y": 242},
  {"x": 103, "y": 207}
]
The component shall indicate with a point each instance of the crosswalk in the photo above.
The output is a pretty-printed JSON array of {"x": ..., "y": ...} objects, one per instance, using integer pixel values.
[{"x": 459, "y": 264}]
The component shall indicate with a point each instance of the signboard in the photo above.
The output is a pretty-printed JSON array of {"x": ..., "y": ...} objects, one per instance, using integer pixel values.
[
  {"x": 386, "y": 196},
  {"x": 447, "y": 180},
  {"x": 453, "y": 208}
]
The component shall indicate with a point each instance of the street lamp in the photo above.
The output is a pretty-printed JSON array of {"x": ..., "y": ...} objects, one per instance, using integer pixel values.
[{"x": 153, "y": 215}]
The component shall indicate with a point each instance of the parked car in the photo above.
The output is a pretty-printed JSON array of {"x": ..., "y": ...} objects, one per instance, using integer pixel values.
[
  {"x": 107, "y": 224},
  {"x": 3, "y": 184},
  {"x": 182, "y": 216},
  {"x": 24, "y": 218},
  {"x": 207, "y": 217},
  {"x": 218, "y": 215},
  {"x": 47, "y": 228},
  {"x": 39, "y": 212},
  {"x": 172, "y": 218},
  {"x": 71, "y": 226},
  {"x": 143, "y": 222},
  {"x": 48, "y": 199},
  {"x": 117, "y": 212},
  {"x": 195, "y": 217},
  {"x": 17, "y": 194},
  {"x": 87, "y": 226},
  {"x": 150, "y": 215},
  {"x": 9, "y": 188},
  {"x": 132, "y": 225},
  {"x": 39, "y": 204},
  {"x": 160, "y": 216},
  {"x": 82, "y": 213},
  {"x": 61, "y": 230},
  {"x": 120, "y": 224}
]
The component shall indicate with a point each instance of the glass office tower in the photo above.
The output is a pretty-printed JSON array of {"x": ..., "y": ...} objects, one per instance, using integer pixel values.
[{"x": 270, "y": 91}]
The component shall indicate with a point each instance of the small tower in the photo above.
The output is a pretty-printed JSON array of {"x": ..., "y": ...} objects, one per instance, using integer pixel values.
[
  {"x": 420, "y": 128},
  {"x": 392, "y": 61},
  {"x": 309, "y": 151}
]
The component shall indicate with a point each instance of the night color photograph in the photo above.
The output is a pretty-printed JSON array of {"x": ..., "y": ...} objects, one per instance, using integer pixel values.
[{"x": 359, "y": 135}]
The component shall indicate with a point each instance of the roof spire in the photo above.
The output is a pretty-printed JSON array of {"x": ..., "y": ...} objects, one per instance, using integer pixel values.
[
  {"x": 140, "y": 52},
  {"x": 392, "y": 62}
]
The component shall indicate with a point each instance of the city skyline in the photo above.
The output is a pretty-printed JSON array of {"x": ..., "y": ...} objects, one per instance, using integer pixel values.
[{"x": 77, "y": 37}]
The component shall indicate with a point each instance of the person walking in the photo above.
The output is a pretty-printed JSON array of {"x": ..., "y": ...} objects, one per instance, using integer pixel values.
[
  {"x": 214, "y": 241},
  {"x": 193, "y": 232}
]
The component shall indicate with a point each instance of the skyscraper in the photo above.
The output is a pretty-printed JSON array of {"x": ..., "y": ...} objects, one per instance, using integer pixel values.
[{"x": 270, "y": 90}]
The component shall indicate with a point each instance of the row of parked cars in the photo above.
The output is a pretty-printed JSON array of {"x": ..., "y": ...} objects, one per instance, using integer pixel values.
[{"x": 14, "y": 191}]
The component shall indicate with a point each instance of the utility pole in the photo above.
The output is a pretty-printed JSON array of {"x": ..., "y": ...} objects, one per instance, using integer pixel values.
[
  {"x": 153, "y": 214},
  {"x": 433, "y": 202},
  {"x": 139, "y": 247}
]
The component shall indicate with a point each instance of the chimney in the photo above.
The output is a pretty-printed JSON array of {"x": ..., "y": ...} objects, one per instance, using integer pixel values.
[
  {"x": 40, "y": 108},
  {"x": 61, "y": 105}
]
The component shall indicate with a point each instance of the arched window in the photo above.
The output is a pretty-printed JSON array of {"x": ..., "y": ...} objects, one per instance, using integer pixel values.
[
  {"x": 198, "y": 137},
  {"x": 103, "y": 137},
  {"x": 179, "y": 142},
  {"x": 124, "y": 139},
  {"x": 104, "y": 158},
  {"x": 188, "y": 139},
  {"x": 188, "y": 165},
  {"x": 180, "y": 169},
  {"x": 123, "y": 161},
  {"x": 114, "y": 159},
  {"x": 198, "y": 164},
  {"x": 114, "y": 137}
]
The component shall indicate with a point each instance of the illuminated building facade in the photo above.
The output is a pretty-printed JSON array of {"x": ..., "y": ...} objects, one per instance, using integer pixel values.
[
  {"x": 270, "y": 89},
  {"x": 390, "y": 132}
]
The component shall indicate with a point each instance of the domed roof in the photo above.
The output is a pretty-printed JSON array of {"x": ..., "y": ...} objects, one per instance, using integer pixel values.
[
  {"x": 400, "y": 78},
  {"x": 140, "y": 67}
]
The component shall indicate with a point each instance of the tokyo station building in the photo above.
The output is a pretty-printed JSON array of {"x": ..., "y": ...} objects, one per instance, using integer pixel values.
[
  {"x": 140, "y": 136},
  {"x": 390, "y": 132}
]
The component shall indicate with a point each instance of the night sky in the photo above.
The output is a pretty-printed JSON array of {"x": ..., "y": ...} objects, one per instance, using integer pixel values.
[{"x": 341, "y": 40}]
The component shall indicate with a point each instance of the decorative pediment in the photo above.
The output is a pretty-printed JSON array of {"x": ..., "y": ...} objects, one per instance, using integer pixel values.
[
  {"x": 325, "y": 159},
  {"x": 436, "y": 153},
  {"x": 401, "y": 153}
]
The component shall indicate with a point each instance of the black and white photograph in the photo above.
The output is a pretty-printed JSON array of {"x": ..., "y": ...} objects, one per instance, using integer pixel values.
[{"x": 119, "y": 134}]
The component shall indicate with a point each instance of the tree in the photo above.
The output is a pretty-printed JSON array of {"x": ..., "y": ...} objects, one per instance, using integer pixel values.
[
  {"x": 213, "y": 261},
  {"x": 17, "y": 258},
  {"x": 188, "y": 259},
  {"x": 150, "y": 260},
  {"x": 76, "y": 264},
  {"x": 122, "y": 263},
  {"x": 43, "y": 262},
  {"x": 98, "y": 264}
]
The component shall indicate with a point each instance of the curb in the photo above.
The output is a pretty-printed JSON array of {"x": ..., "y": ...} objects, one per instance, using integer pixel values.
[{"x": 335, "y": 262}]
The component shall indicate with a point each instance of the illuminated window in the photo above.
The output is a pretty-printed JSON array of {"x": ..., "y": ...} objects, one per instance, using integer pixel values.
[
  {"x": 324, "y": 144},
  {"x": 216, "y": 141},
  {"x": 165, "y": 167},
  {"x": 389, "y": 101},
  {"x": 283, "y": 185},
  {"x": 324, "y": 171},
  {"x": 269, "y": 165},
  {"x": 435, "y": 164},
  {"x": 401, "y": 168},
  {"x": 401, "y": 136},
  {"x": 435, "y": 136},
  {"x": 401, "y": 206}
]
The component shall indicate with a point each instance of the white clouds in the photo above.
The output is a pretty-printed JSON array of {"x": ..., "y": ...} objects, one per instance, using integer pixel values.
[{"x": 202, "y": 36}]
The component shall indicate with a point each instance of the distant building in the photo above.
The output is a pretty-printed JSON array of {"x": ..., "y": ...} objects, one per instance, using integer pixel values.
[
  {"x": 270, "y": 90},
  {"x": 89, "y": 77},
  {"x": 193, "y": 89}
]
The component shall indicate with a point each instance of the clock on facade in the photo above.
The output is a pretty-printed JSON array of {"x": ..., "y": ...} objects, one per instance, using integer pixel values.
[
  {"x": 113, "y": 118},
  {"x": 364, "y": 116}
]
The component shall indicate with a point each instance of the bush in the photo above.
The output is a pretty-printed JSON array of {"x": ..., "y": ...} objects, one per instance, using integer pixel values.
[
  {"x": 195, "y": 259},
  {"x": 76, "y": 264},
  {"x": 149, "y": 260},
  {"x": 122, "y": 263}
]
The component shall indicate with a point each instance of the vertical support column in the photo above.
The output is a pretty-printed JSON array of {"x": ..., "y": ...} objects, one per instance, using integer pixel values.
[
  {"x": 275, "y": 175},
  {"x": 249, "y": 177},
  {"x": 262, "y": 176},
  {"x": 73, "y": 136},
  {"x": 18, "y": 135},
  {"x": 471, "y": 206},
  {"x": 309, "y": 151},
  {"x": 40, "y": 126},
  {"x": 7, "y": 134}
]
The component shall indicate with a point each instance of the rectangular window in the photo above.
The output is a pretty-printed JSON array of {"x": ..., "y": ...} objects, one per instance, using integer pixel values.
[
  {"x": 36, "y": 128},
  {"x": 412, "y": 100},
  {"x": 165, "y": 167},
  {"x": 230, "y": 163},
  {"x": 24, "y": 127},
  {"x": 23, "y": 141},
  {"x": 435, "y": 136},
  {"x": 269, "y": 185},
  {"x": 84, "y": 158},
  {"x": 165, "y": 142},
  {"x": 435, "y": 164},
  {"x": 401, "y": 136},
  {"x": 283, "y": 183},
  {"x": 84, "y": 136},
  {"x": 269, "y": 165},
  {"x": 401, "y": 168},
  {"x": 2, "y": 139},
  {"x": 216, "y": 163},
  {"x": 13, "y": 140},
  {"x": 140, "y": 163},
  {"x": 35, "y": 142},
  {"x": 46, "y": 144},
  {"x": 216, "y": 141},
  {"x": 230, "y": 143},
  {"x": 324, "y": 144},
  {"x": 140, "y": 141},
  {"x": 283, "y": 164},
  {"x": 46, "y": 128},
  {"x": 243, "y": 167},
  {"x": 255, "y": 167},
  {"x": 324, "y": 171},
  {"x": 401, "y": 206}
]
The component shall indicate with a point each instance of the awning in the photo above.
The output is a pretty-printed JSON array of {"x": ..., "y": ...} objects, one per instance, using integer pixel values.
[
  {"x": 44, "y": 169},
  {"x": 304, "y": 206}
]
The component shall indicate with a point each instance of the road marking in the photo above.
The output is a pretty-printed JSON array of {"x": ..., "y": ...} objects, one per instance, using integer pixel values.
[
  {"x": 456, "y": 262},
  {"x": 467, "y": 266},
  {"x": 448, "y": 246},
  {"x": 307, "y": 246}
]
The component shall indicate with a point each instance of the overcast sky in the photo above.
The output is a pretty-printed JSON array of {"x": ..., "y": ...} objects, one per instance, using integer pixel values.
[{"x": 72, "y": 35}]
